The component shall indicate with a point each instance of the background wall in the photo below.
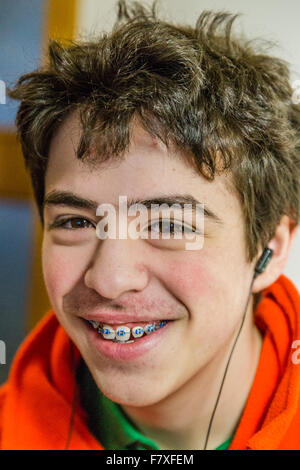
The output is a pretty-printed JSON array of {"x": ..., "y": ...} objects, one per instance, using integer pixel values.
[
  {"x": 21, "y": 33},
  {"x": 275, "y": 20},
  {"x": 20, "y": 39}
]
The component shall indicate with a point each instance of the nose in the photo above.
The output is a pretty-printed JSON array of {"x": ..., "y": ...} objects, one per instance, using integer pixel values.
[{"x": 117, "y": 267}]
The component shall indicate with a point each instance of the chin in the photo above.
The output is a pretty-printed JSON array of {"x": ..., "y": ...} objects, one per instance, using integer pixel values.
[{"x": 128, "y": 393}]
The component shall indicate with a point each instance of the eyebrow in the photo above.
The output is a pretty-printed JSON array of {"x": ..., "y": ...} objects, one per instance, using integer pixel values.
[{"x": 70, "y": 199}]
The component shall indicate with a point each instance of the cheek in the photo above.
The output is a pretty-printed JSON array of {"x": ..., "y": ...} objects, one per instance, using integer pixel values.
[
  {"x": 190, "y": 280},
  {"x": 203, "y": 289},
  {"x": 212, "y": 311},
  {"x": 62, "y": 268}
]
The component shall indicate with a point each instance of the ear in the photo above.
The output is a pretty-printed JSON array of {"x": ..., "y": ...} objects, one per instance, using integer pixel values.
[{"x": 281, "y": 245}]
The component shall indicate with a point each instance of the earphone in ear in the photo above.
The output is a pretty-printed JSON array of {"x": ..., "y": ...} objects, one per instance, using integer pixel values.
[{"x": 263, "y": 261}]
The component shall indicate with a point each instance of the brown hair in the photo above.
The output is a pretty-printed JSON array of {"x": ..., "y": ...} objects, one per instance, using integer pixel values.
[{"x": 198, "y": 88}]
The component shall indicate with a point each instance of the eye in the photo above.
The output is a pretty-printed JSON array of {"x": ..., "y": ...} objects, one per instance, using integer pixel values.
[
  {"x": 72, "y": 223},
  {"x": 172, "y": 235},
  {"x": 167, "y": 226}
]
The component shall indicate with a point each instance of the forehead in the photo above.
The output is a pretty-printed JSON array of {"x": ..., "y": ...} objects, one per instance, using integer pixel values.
[{"x": 148, "y": 168}]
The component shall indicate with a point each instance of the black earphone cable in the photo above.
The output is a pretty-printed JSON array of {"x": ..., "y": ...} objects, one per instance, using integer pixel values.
[
  {"x": 227, "y": 365},
  {"x": 259, "y": 268}
]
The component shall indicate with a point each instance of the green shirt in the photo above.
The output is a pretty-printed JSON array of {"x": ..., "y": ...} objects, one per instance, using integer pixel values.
[{"x": 109, "y": 423}]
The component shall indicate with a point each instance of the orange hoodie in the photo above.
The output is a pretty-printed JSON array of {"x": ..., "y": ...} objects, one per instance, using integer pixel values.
[{"x": 36, "y": 401}]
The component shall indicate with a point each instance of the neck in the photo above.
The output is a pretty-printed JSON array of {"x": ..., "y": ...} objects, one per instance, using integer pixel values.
[{"x": 181, "y": 420}]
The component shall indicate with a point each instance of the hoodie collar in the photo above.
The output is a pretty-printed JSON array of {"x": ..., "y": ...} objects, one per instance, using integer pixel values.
[{"x": 272, "y": 408}]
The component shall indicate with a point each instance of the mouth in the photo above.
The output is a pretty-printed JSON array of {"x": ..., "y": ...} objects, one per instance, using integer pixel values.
[
  {"x": 124, "y": 334},
  {"x": 128, "y": 342}
]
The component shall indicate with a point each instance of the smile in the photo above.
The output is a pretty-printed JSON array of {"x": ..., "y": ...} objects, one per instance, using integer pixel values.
[{"x": 123, "y": 334}]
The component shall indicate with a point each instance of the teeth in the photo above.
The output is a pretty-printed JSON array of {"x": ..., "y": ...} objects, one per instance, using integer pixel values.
[
  {"x": 123, "y": 333},
  {"x": 149, "y": 328},
  {"x": 95, "y": 324},
  {"x": 137, "y": 331},
  {"x": 108, "y": 332}
]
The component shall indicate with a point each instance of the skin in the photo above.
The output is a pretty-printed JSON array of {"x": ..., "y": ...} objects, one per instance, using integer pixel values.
[{"x": 169, "y": 392}]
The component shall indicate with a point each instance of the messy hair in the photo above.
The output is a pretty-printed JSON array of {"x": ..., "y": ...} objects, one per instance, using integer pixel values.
[{"x": 224, "y": 103}]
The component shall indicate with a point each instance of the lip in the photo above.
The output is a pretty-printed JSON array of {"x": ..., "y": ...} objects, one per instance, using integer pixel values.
[
  {"x": 125, "y": 352},
  {"x": 115, "y": 319}
]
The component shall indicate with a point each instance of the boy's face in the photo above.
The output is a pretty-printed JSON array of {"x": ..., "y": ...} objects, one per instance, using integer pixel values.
[{"x": 203, "y": 292}]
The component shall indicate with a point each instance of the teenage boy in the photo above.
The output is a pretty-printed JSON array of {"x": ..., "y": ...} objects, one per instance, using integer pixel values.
[{"x": 149, "y": 344}]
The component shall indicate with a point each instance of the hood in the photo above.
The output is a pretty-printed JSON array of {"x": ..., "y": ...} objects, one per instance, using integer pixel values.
[{"x": 271, "y": 417}]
